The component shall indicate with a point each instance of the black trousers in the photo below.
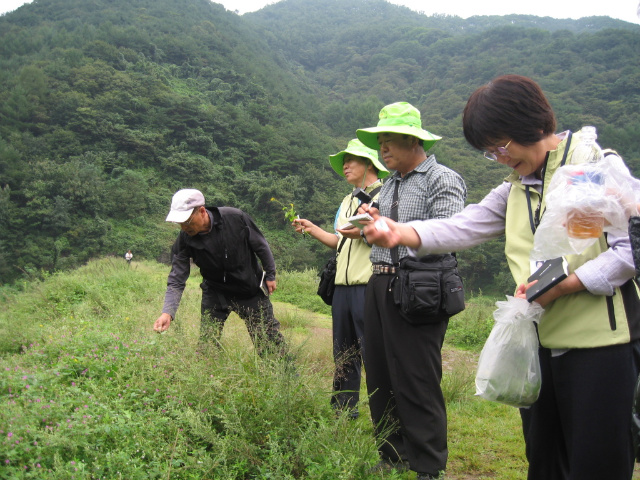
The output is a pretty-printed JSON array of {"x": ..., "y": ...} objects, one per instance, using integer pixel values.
[
  {"x": 404, "y": 370},
  {"x": 580, "y": 426},
  {"x": 256, "y": 311},
  {"x": 347, "y": 311}
]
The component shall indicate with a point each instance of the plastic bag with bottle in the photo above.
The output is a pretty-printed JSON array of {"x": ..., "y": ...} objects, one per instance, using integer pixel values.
[
  {"x": 509, "y": 366},
  {"x": 592, "y": 195}
]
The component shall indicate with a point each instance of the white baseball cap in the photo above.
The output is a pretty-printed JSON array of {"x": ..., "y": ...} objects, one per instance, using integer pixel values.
[{"x": 183, "y": 203}]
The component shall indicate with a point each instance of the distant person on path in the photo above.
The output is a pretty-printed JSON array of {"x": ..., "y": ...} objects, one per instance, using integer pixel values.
[
  {"x": 581, "y": 425},
  {"x": 403, "y": 360},
  {"x": 226, "y": 244},
  {"x": 360, "y": 167},
  {"x": 128, "y": 256}
]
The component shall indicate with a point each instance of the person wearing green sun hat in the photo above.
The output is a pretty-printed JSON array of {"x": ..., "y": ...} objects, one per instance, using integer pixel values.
[
  {"x": 356, "y": 148},
  {"x": 402, "y": 118},
  {"x": 403, "y": 358},
  {"x": 362, "y": 170}
]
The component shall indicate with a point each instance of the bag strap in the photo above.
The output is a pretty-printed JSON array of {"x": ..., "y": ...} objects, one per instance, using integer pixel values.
[
  {"x": 372, "y": 194},
  {"x": 634, "y": 238},
  {"x": 375, "y": 191},
  {"x": 394, "y": 217},
  {"x": 344, "y": 239}
]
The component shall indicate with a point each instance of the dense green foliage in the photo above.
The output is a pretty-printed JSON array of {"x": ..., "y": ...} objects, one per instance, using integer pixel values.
[
  {"x": 89, "y": 391},
  {"x": 107, "y": 107}
]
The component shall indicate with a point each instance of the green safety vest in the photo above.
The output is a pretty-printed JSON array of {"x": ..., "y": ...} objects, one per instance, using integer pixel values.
[
  {"x": 354, "y": 266},
  {"x": 578, "y": 320}
]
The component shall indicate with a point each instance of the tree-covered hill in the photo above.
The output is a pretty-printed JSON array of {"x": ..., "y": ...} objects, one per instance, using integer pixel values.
[
  {"x": 358, "y": 50},
  {"x": 107, "y": 107}
]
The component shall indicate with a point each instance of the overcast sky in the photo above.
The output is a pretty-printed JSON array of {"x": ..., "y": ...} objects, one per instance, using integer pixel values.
[{"x": 626, "y": 10}]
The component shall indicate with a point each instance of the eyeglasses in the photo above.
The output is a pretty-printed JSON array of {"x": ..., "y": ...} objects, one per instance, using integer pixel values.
[
  {"x": 502, "y": 152},
  {"x": 191, "y": 217}
]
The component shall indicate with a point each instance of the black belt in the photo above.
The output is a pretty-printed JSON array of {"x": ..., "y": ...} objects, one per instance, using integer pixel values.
[{"x": 384, "y": 269}]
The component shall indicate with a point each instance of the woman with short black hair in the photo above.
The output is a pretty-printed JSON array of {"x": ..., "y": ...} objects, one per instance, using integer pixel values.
[{"x": 580, "y": 426}]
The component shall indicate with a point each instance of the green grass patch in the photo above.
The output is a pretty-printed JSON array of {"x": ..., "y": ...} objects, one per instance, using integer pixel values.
[
  {"x": 88, "y": 390},
  {"x": 470, "y": 328},
  {"x": 299, "y": 288}
]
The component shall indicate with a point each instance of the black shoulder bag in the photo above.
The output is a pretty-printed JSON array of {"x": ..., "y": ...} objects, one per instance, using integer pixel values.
[{"x": 328, "y": 276}]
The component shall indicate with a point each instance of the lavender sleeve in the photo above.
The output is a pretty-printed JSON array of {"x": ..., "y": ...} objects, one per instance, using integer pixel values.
[
  {"x": 478, "y": 223},
  {"x": 474, "y": 225},
  {"x": 611, "y": 269}
]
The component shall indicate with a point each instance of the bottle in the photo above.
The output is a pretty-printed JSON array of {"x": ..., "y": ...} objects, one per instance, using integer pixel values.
[
  {"x": 584, "y": 223},
  {"x": 587, "y": 151},
  {"x": 584, "y": 220}
]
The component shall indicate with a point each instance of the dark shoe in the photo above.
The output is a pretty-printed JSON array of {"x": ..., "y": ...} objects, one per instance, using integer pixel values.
[
  {"x": 427, "y": 476},
  {"x": 386, "y": 466},
  {"x": 352, "y": 414}
]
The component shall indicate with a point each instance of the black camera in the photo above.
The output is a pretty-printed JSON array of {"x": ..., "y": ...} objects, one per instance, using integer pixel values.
[
  {"x": 364, "y": 197},
  {"x": 361, "y": 195}
]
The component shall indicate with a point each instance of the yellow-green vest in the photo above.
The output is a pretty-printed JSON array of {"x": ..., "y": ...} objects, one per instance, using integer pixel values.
[
  {"x": 578, "y": 320},
  {"x": 354, "y": 266}
]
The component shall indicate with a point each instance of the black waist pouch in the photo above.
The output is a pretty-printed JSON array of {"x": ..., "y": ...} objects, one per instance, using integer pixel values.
[{"x": 428, "y": 289}]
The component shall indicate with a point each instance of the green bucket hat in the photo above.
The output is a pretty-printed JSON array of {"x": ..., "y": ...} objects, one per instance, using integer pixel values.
[
  {"x": 400, "y": 117},
  {"x": 355, "y": 147}
]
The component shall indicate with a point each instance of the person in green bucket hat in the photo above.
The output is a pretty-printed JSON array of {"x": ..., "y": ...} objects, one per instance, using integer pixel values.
[
  {"x": 356, "y": 148},
  {"x": 402, "y": 118},
  {"x": 362, "y": 170},
  {"x": 403, "y": 358}
]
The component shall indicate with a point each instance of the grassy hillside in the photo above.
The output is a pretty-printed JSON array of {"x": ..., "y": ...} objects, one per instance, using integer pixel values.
[
  {"x": 88, "y": 390},
  {"x": 108, "y": 107}
]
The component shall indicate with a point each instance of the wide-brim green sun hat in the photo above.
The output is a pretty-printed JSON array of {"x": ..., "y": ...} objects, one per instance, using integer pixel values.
[
  {"x": 400, "y": 117},
  {"x": 355, "y": 147}
]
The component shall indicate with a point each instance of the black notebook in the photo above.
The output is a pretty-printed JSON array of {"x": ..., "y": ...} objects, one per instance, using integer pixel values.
[
  {"x": 263, "y": 284},
  {"x": 549, "y": 274}
]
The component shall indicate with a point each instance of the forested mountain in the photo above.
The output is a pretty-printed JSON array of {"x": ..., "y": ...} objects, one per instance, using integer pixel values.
[{"x": 107, "y": 107}]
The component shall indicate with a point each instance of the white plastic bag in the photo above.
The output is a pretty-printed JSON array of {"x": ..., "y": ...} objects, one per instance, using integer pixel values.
[
  {"x": 509, "y": 367},
  {"x": 582, "y": 202}
]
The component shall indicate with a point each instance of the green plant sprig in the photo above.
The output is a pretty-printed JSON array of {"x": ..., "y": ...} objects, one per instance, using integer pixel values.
[{"x": 289, "y": 212}]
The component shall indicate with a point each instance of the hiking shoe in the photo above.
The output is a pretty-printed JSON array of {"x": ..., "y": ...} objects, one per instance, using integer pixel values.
[
  {"x": 427, "y": 476},
  {"x": 352, "y": 413}
]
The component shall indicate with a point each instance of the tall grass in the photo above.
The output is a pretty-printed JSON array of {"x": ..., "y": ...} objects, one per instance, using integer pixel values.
[{"x": 88, "y": 390}]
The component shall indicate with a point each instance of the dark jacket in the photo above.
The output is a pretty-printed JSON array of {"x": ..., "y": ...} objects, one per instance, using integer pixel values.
[{"x": 227, "y": 256}]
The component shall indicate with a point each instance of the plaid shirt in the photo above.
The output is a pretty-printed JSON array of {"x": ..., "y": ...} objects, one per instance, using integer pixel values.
[{"x": 429, "y": 191}]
